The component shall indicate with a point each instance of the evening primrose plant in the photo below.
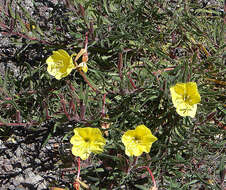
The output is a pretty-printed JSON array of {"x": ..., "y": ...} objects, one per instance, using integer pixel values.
[
  {"x": 140, "y": 72},
  {"x": 136, "y": 142},
  {"x": 85, "y": 141}
]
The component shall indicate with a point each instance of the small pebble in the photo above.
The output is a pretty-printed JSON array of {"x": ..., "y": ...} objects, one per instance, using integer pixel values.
[{"x": 18, "y": 180}]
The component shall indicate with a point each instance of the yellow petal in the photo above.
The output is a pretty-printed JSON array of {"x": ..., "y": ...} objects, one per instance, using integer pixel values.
[
  {"x": 50, "y": 60},
  {"x": 142, "y": 130},
  {"x": 75, "y": 139},
  {"x": 80, "y": 152},
  {"x": 176, "y": 98},
  {"x": 187, "y": 110},
  {"x": 59, "y": 76},
  {"x": 129, "y": 152},
  {"x": 63, "y": 53},
  {"x": 147, "y": 147},
  {"x": 192, "y": 91},
  {"x": 180, "y": 88},
  {"x": 137, "y": 151}
]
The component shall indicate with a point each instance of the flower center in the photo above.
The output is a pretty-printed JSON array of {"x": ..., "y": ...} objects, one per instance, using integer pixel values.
[
  {"x": 86, "y": 140},
  {"x": 186, "y": 98},
  {"x": 59, "y": 64},
  {"x": 136, "y": 139}
]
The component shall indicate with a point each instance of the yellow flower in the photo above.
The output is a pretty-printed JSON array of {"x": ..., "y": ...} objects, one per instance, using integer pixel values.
[
  {"x": 87, "y": 140},
  {"x": 138, "y": 141},
  {"x": 185, "y": 97},
  {"x": 60, "y": 64}
]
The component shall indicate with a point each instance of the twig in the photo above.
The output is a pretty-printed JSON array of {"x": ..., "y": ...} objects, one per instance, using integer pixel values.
[
  {"x": 82, "y": 111},
  {"x": 103, "y": 106},
  {"x": 62, "y": 101},
  {"x": 160, "y": 71},
  {"x": 86, "y": 80},
  {"x": 133, "y": 164},
  {"x": 46, "y": 110},
  {"x": 21, "y": 35},
  {"x": 120, "y": 65},
  {"x": 19, "y": 124},
  {"x": 224, "y": 12},
  {"x": 18, "y": 116},
  {"x": 79, "y": 167},
  {"x": 149, "y": 171},
  {"x": 131, "y": 81}
]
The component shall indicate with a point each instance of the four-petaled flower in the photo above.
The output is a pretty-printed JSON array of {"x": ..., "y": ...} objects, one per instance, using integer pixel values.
[
  {"x": 138, "y": 141},
  {"x": 185, "y": 97},
  {"x": 87, "y": 140},
  {"x": 60, "y": 64}
]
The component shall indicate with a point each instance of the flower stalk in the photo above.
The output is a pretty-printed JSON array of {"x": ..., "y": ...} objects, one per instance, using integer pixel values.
[{"x": 151, "y": 174}]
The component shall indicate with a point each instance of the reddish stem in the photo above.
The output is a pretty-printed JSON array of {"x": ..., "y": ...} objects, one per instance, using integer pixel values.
[
  {"x": 149, "y": 171},
  {"x": 19, "y": 124},
  {"x": 160, "y": 71},
  {"x": 72, "y": 106},
  {"x": 46, "y": 111},
  {"x": 133, "y": 164},
  {"x": 103, "y": 106},
  {"x": 14, "y": 124},
  {"x": 76, "y": 184},
  {"x": 18, "y": 117},
  {"x": 86, "y": 80},
  {"x": 82, "y": 10},
  {"x": 91, "y": 30},
  {"x": 64, "y": 107},
  {"x": 86, "y": 40},
  {"x": 131, "y": 81},
  {"x": 21, "y": 35},
  {"x": 79, "y": 167},
  {"x": 82, "y": 111},
  {"x": 70, "y": 85},
  {"x": 120, "y": 65}
]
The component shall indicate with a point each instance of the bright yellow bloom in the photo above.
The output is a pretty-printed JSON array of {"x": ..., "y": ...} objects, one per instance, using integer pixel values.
[
  {"x": 138, "y": 141},
  {"x": 87, "y": 140},
  {"x": 185, "y": 97},
  {"x": 60, "y": 64}
]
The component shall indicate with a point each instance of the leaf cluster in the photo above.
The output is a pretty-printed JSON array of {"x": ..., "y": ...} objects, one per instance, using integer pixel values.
[{"x": 137, "y": 50}]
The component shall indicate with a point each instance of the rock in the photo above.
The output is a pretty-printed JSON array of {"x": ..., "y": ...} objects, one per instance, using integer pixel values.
[
  {"x": 37, "y": 161},
  {"x": 8, "y": 167},
  {"x": 2, "y": 146},
  {"x": 18, "y": 152},
  {"x": 11, "y": 187},
  {"x": 18, "y": 180},
  {"x": 31, "y": 178},
  {"x": 21, "y": 187}
]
